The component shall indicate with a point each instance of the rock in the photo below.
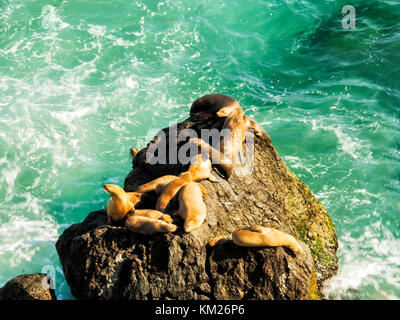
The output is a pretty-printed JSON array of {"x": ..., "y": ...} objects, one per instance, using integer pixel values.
[
  {"x": 105, "y": 262},
  {"x": 28, "y": 287},
  {"x": 251, "y": 273}
]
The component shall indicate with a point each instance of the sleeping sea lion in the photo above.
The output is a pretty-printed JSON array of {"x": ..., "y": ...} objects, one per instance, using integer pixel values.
[
  {"x": 199, "y": 169},
  {"x": 147, "y": 226},
  {"x": 152, "y": 185},
  {"x": 258, "y": 236},
  {"x": 192, "y": 208},
  {"x": 153, "y": 214}
]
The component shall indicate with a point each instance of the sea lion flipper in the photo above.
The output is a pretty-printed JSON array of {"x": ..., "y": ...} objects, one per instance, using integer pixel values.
[
  {"x": 134, "y": 197},
  {"x": 297, "y": 249},
  {"x": 222, "y": 113}
]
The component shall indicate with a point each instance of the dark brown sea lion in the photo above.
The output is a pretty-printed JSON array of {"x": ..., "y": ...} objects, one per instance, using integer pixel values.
[{"x": 208, "y": 106}]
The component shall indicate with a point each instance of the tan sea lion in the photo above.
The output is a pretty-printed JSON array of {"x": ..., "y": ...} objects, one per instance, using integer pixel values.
[
  {"x": 148, "y": 226},
  {"x": 192, "y": 208},
  {"x": 171, "y": 189},
  {"x": 152, "y": 185},
  {"x": 233, "y": 136},
  {"x": 121, "y": 202},
  {"x": 199, "y": 169},
  {"x": 208, "y": 106},
  {"x": 252, "y": 124},
  {"x": 213, "y": 242},
  {"x": 258, "y": 236},
  {"x": 153, "y": 214}
]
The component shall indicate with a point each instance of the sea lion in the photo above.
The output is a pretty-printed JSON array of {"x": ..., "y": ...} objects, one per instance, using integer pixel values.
[
  {"x": 258, "y": 236},
  {"x": 209, "y": 105},
  {"x": 199, "y": 169},
  {"x": 121, "y": 202},
  {"x": 171, "y": 189},
  {"x": 133, "y": 152},
  {"x": 233, "y": 135},
  {"x": 153, "y": 214},
  {"x": 192, "y": 208},
  {"x": 252, "y": 124},
  {"x": 148, "y": 226},
  {"x": 213, "y": 242},
  {"x": 152, "y": 185}
]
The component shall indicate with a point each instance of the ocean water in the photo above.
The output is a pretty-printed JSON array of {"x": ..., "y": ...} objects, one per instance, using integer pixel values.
[{"x": 83, "y": 81}]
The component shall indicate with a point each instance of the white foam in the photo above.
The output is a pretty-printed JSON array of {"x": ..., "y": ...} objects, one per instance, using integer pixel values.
[
  {"x": 97, "y": 31},
  {"x": 364, "y": 262},
  {"x": 50, "y": 19},
  {"x": 131, "y": 83},
  {"x": 19, "y": 234},
  {"x": 364, "y": 192},
  {"x": 8, "y": 175},
  {"x": 348, "y": 143},
  {"x": 296, "y": 163}
]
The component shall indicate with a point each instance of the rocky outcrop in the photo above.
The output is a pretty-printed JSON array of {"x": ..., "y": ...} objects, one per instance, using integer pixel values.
[
  {"x": 34, "y": 286},
  {"x": 105, "y": 262}
]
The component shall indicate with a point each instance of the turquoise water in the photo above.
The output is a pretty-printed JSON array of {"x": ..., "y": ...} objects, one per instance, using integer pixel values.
[{"x": 83, "y": 81}]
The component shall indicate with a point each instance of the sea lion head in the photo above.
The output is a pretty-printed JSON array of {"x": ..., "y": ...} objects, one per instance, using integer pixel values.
[
  {"x": 209, "y": 105},
  {"x": 200, "y": 167},
  {"x": 114, "y": 190}
]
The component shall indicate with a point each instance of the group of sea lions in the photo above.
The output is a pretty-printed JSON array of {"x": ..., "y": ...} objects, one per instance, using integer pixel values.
[{"x": 189, "y": 193}]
